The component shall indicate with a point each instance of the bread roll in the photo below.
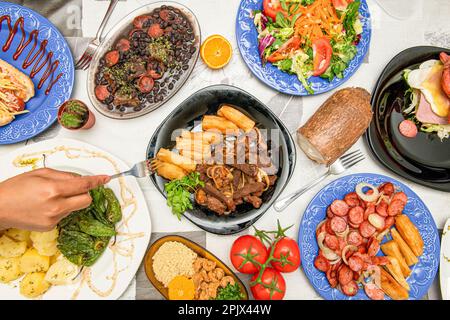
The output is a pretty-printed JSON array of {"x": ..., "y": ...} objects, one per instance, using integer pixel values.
[{"x": 336, "y": 125}]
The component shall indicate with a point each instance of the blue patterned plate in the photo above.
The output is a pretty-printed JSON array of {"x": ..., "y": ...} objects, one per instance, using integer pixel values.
[
  {"x": 247, "y": 40},
  {"x": 423, "y": 272},
  {"x": 43, "y": 107}
]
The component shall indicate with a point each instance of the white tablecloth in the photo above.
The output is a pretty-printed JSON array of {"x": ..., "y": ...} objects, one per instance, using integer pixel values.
[{"x": 128, "y": 139}]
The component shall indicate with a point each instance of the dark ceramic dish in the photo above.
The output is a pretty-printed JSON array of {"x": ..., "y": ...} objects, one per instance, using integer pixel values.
[
  {"x": 189, "y": 114},
  {"x": 424, "y": 159}
]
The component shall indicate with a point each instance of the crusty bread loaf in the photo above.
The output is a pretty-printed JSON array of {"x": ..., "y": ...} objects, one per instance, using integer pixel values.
[
  {"x": 336, "y": 125},
  {"x": 19, "y": 78}
]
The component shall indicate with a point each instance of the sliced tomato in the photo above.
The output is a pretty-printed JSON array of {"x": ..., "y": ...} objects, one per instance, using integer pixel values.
[
  {"x": 285, "y": 50},
  {"x": 13, "y": 102},
  {"x": 322, "y": 52},
  {"x": 341, "y": 5},
  {"x": 272, "y": 7}
]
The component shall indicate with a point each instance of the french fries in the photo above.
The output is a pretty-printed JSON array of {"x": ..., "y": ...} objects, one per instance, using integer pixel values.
[
  {"x": 219, "y": 123},
  {"x": 206, "y": 137},
  {"x": 391, "y": 287},
  {"x": 183, "y": 162},
  {"x": 196, "y": 156},
  {"x": 237, "y": 117},
  {"x": 390, "y": 248},
  {"x": 410, "y": 234},
  {"x": 406, "y": 251},
  {"x": 168, "y": 170},
  {"x": 192, "y": 145}
]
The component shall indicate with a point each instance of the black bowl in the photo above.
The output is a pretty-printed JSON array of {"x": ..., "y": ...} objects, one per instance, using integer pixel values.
[
  {"x": 424, "y": 159},
  {"x": 281, "y": 146}
]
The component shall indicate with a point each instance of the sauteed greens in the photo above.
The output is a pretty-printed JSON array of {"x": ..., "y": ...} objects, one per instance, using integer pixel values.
[{"x": 85, "y": 234}]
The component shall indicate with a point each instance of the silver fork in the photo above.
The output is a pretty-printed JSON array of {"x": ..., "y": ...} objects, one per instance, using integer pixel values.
[
  {"x": 339, "y": 166},
  {"x": 85, "y": 60},
  {"x": 139, "y": 170}
]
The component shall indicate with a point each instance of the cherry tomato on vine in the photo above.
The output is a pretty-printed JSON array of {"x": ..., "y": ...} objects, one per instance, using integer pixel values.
[
  {"x": 244, "y": 250},
  {"x": 287, "y": 251},
  {"x": 272, "y": 286}
]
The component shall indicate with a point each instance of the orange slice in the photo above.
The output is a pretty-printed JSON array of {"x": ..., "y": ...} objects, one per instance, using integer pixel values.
[{"x": 216, "y": 51}]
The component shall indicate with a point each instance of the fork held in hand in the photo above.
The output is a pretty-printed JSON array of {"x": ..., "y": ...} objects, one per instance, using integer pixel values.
[
  {"x": 139, "y": 170},
  {"x": 85, "y": 60},
  {"x": 343, "y": 163}
]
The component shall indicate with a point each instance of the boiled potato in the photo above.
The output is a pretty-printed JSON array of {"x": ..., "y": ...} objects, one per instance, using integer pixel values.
[
  {"x": 10, "y": 248},
  {"x": 34, "y": 284},
  {"x": 46, "y": 249},
  {"x": 9, "y": 269},
  {"x": 32, "y": 261},
  {"x": 19, "y": 235},
  {"x": 44, "y": 237},
  {"x": 62, "y": 272}
]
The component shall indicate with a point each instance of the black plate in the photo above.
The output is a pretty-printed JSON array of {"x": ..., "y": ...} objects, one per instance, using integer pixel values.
[
  {"x": 424, "y": 159},
  {"x": 207, "y": 101}
]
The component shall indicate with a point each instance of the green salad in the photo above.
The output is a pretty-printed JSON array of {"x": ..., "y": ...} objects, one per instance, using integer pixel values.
[{"x": 309, "y": 37}]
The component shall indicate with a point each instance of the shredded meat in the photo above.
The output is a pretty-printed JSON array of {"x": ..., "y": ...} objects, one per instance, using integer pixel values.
[
  {"x": 201, "y": 168},
  {"x": 236, "y": 178},
  {"x": 249, "y": 169},
  {"x": 272, "y": 180},
  {"x": 219, "y": 195},
  {"x": 201, "y": 197},
  {"x": 232, "y": 177},
  {"x": 254, "y": 201},
  {"x": 216, "y": 205}
]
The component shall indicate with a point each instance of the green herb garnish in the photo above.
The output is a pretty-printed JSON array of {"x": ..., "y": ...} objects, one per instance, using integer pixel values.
[
  {"x": 230, "y": 292},
  {"x": 179, "y": 193}
]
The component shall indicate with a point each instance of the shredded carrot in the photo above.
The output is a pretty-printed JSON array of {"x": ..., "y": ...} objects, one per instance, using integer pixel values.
[{"x": 317, "y": 20}]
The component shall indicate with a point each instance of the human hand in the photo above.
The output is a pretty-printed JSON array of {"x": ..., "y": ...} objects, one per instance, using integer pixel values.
[{"x": 39, "y": 199}]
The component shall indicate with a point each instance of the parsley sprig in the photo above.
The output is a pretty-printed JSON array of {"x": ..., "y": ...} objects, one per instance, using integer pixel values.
[
  {"x": 179, "y": 193},
  {"x": 230, "y": 292}
]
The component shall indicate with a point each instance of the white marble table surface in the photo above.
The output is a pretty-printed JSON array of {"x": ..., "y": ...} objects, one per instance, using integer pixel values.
[{"x": 427, "y": 25}]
